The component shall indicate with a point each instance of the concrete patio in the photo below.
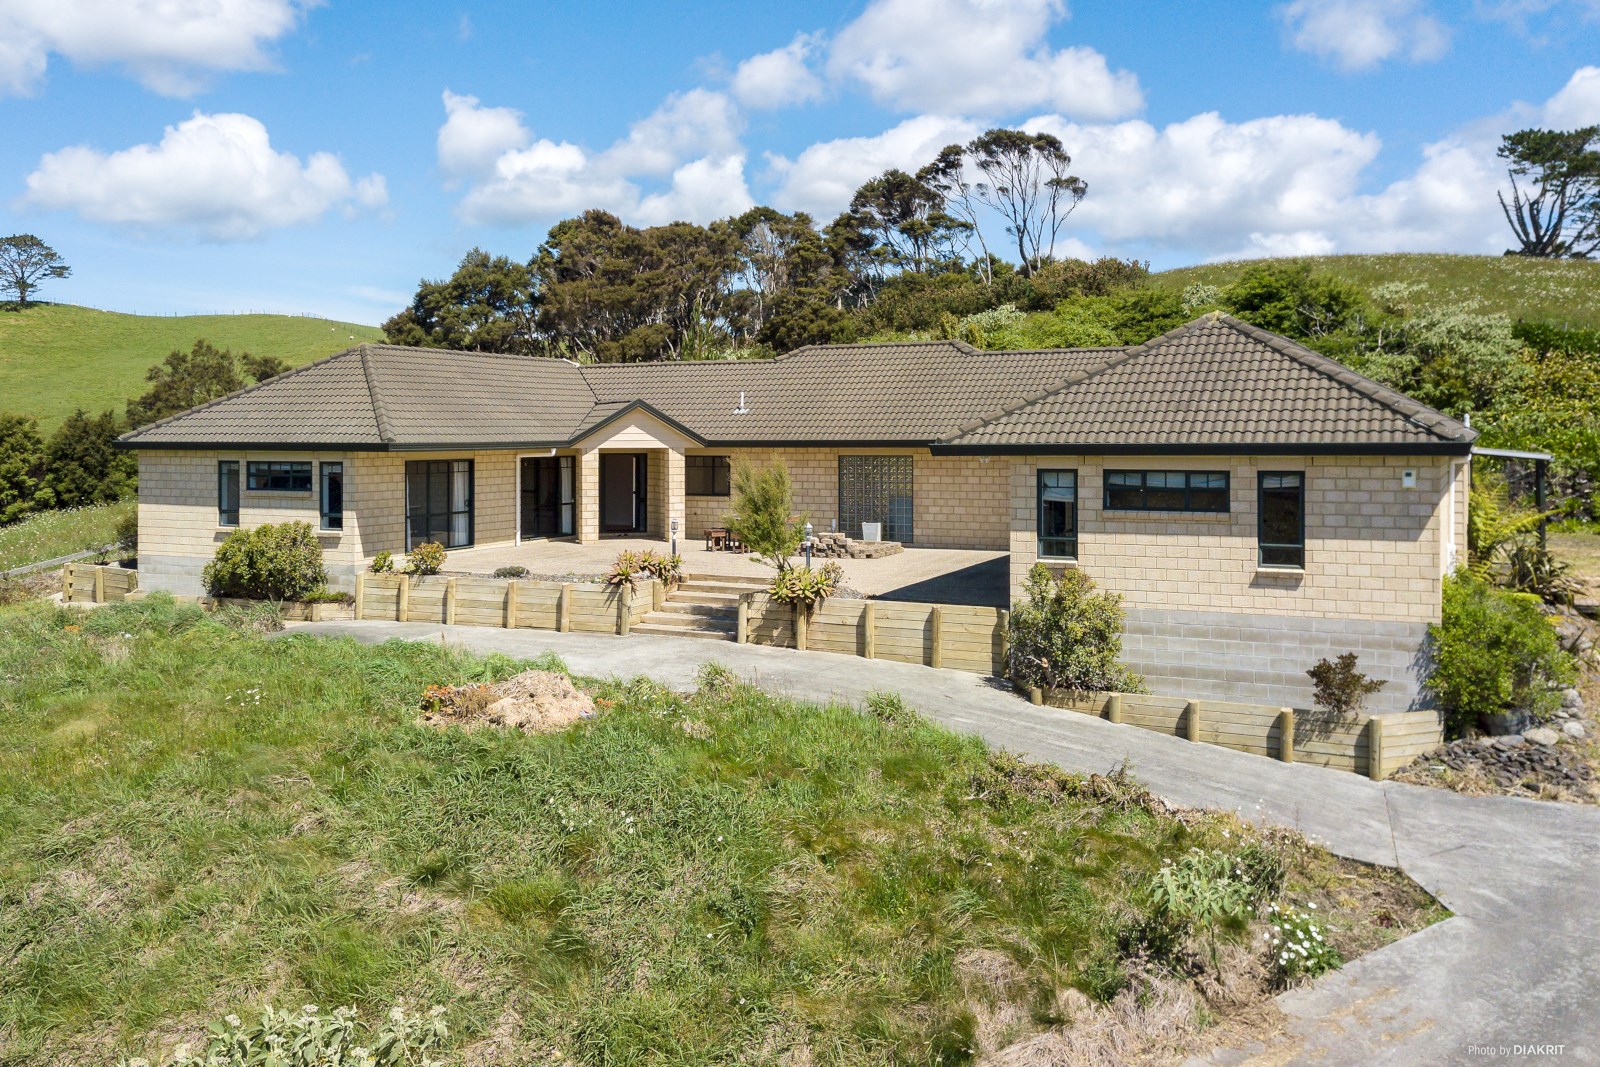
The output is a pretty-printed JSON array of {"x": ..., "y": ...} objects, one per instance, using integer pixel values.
[{"x": 921, "y": 575}]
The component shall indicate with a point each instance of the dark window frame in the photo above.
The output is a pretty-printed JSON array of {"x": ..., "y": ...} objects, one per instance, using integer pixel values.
[
  {"x": 1039, "y": 502},
  {"x": 227, "y": 470},
  {"x": 1291, "y": 555},
  {"x": 331, "y": 519},
  {"x": 1189, "y": 490},
  {"x": 278, "y": 476},
  {"x": 718, "y": 469},
  {"x": 445, "y": 468}
]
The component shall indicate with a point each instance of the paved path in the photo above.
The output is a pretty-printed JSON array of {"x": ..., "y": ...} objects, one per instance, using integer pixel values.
[{"x": 1518, "y": 965}]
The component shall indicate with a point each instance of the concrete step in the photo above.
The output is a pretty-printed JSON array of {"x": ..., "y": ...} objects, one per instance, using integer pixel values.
[
  {"x": 708, "y": 585},
  {"x": 721, "y": 600}
]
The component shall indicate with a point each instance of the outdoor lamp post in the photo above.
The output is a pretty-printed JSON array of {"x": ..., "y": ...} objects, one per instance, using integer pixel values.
[
  {"x": 674, "y": 536},
  {"x": 808, "y": 546}
]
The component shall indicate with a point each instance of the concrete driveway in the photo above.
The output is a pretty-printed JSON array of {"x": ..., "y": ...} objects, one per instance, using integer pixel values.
[{"x": 1514, "y": 976}]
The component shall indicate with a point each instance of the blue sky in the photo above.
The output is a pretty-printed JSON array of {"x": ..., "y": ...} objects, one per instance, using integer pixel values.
[{"x": 289, "y": 156}]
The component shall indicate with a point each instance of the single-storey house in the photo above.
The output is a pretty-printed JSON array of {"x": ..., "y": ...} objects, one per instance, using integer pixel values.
[{"x": 1257, "y": 505}]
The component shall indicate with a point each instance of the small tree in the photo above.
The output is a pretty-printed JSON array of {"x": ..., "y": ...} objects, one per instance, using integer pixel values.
[
  {"x": 1340, "y": 689},
  {"x": 25, "y": 261},
  {"x": 83, "y": 466},
  {"x": 187, "y": 379},
  {"x": 1065, "y": 635},
  {"x": 21, "y": 466},
  {"x": 1555, "y": 209},
  {"x": 763, "y": 513}
]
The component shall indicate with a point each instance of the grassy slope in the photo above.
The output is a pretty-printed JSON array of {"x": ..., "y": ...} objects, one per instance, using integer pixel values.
[
  {"x": 51, "y": 534},
  {"x": 55, "y": 357},
  {"x": 194, "y": 821},
  {"x": 1560, "y": 292}
]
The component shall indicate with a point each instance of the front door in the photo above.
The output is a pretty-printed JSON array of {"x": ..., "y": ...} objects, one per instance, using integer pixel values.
[
  {"x": 624, "y": 477},
  {"x": 549, "y": 497}
]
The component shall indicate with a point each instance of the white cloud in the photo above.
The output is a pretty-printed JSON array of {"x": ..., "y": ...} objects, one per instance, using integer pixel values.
[
  {"x": 473, "y": 137},
  {"x": 702, "y": 191},
  {"x": 977, "y": 57},
  {"x": 1577, "y": 104},
  {"x": 168, "y": 46},
  {"x": 823, "y": 178},
  {"x": 543, "y": 181},
  {"x": 780, "y": 78},
  {"x": 216, "y": 176},
  {"x": 686, "y": 125},
  {"x": 1358, "y": 34}
]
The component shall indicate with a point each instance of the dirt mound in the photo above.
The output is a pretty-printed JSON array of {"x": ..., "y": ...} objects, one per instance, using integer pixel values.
[{"x": 535, "y": 702}]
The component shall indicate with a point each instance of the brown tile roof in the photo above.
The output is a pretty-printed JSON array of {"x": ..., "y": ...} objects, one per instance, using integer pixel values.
[{"x": 1216, "y": 383}]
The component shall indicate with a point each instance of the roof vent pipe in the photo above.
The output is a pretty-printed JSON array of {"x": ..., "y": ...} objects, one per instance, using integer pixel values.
[{"x": 741, "y": 409}]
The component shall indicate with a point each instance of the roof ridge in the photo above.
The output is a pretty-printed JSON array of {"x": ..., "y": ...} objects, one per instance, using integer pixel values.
[
  {"x": 1433, "y": 419},
  {"x": 1124, "y": 354},
  {"x": 292, "y": 372},
  {"x": 380, "y": 414}
]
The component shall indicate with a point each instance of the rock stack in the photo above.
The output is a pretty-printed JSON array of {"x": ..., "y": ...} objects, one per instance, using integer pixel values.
[{"x": 836, "y": 545}]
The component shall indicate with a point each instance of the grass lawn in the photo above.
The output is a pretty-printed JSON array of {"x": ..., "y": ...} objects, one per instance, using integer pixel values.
[
  {"x": 195, "y": 820},
  {"x": 50, "y": 534},
  {"x": 1558, "y": 291},
  {"x": 56, "y": 357}
]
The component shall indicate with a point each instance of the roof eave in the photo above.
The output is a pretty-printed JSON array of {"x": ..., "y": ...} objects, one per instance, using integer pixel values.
[{"x": 1195, "y": 448}]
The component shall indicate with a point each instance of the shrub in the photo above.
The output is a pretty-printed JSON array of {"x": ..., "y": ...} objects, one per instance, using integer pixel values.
[
  {"x": 21, "y": 465},
  {"x": 1493, "y": 651},
  {"x": 512, "y": 571},
  {"x": 82, "y": 464},
  {"x": 1064, "y": 635},
  {"x": 126, "y": 533},
  {"x": 1533, "y": 568},
  {"x": 1340, "y": 689},
  {"x": 1208, "y": 892},
  {"x": 804, "y": 586},
  {"x": 328, "y": 596},
  {"x": 307, "y": 1037},
  {"x": 272, "y": 562},
  {"x": 629, "y": 567},
  {"x": 426, "y": 558},
  {"x": 383, "y": 563}
]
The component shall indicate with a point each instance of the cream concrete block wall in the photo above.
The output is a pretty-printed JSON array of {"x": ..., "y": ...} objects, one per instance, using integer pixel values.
[
  {"x": 1373, "y": 548},
  {"x": 588, "y": 496},
  {"x": 178, "y": 528},
  {"x": 959, "y": 501}
]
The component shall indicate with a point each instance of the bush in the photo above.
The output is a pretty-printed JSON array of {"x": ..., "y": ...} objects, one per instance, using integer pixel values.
[
  {"x": 281, "y": 562},
  {"x": 1340, "y": 689},
  {"x": 307, "y": 1037},
  {"x": 426, "y": 558},
  {"x": 126, "y": 532},
  {"x": 21, "y": 466},
  {"x": 383, "y": 563},
  {"x": 1064, "y": 635},
  {"x": 512, "y": 571},
  {"x": 1297, "y": 945},
  {"x": 629, "y": 567},
  {"x": 763, "y": 513},
  {"x": 1493, "y": 652},
  {"x": 804, "y": 586}
]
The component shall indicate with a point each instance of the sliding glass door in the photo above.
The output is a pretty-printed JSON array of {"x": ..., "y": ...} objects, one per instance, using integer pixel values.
[
  {"x": 439, "y": 502},
  {"x": 549, "y": 496}
]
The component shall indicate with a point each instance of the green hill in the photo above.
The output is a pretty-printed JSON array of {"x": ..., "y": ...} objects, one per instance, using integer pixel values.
[
  {"x": 56, "y": 357},
  {"x": 1564, "y": 292}
]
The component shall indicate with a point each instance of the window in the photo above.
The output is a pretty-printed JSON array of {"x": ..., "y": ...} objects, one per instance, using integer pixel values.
[
  {"x": 1166, "y": 491},
  {"x": 707, "y": 476},
  {"x": 332, "y": 495},
  {"x": 439, "y": 502},
  {"x": 1282, "y": 523},
  {"x": 278, "y": 477},
  {"x": 228, "y": 493},
  {"x": 1058, "y": 514}
]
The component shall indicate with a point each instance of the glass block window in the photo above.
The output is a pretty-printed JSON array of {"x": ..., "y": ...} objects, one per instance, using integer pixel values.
[
  {"x": 877, "y": 489},
  {"x": 1281, "y": 530},
  {"x": 1166, "y": 491},
  {"x": 1058, "y": 514},
  {"x": 278, "y": 476},
  {"x": 707, "y": 476}
]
